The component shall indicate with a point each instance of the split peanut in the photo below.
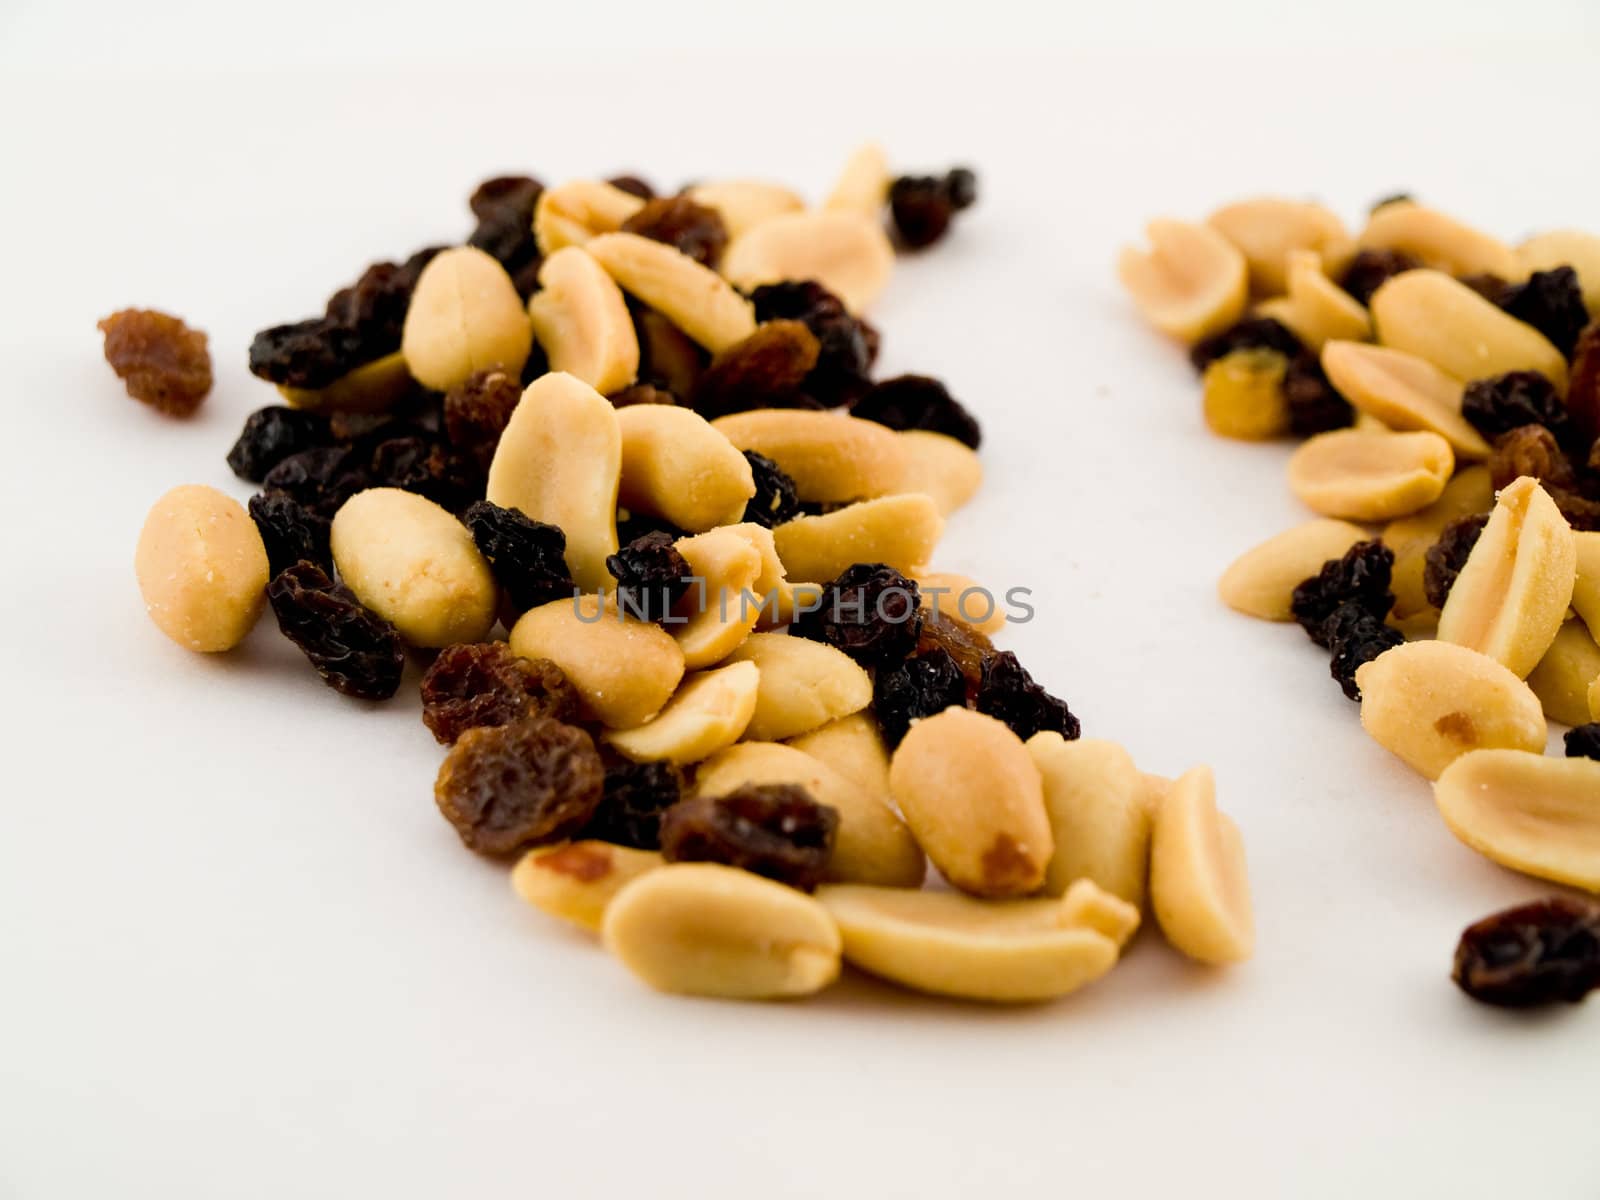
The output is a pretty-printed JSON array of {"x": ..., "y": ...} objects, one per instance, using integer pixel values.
[
  {"x": 625, "y": 670},
  {"x": 1191, "y": 283},
  {"x": 202, "y": 568},
  {"x": 576, "y": 881},
  {"x": 831, "y": 458},
  {"x": 709, "y": 712},
  {"x": 1369, "y": 476},
  {"x": 1198, "y": 882},
  {"x": 694, "y": 298},
  {"x": 845, "y": 252},
  {"x": 581, "y": 321},
  {"x": 676, "y": 466},
  {"x": 464, "y": 316}
]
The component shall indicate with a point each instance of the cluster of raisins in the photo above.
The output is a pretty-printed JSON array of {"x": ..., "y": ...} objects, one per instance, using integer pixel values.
[
  {"x": 1314, "y": 405},
  {"x": 1343, "y": 607},
  {"x": 777, "y": 830}
]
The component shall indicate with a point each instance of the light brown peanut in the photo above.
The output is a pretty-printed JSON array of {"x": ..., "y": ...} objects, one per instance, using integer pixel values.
[
  {"x": 579, "y": 210},
  {"x": 1094, "y": 797},
  {"x": 1438, "y": 241},
  {"x": 1534, "y": 814},
  {"x": 940, "y": 467},
  {"x": 830, "y": 457},
  {"x": 1268, "y": 229},
  {"x": 847, "y": 253},
  {"x": 745, "y": 203},
  {"x": 961, "y": 598},
  {"x": 575, "y": 881},
  {"x": 676, "y": 466},
  {"x": 465, "y": 316},
  {"x": 1370, "y": 476},
  {"x": 1261, "y": 581},
  {"x": 581, "y": 321},
  {"x": 852, "y": 746},
  {"x": 804, "y": 685},
  {"x": 1199, "y": 884},
  {"x": 372, "y": 387},
  {"x": 721, "y": 606},
  {"x": 694, "y": 298},
  {"x": 1470, "y": 491},
  {"x": 1586, "y": 580},
  {"x": 863, "y": 186},
  {"x": 708, "y": 713},
  {"x": 1191, "y": 283},
  {"x": 1565, "y": 673},
  {"x": 775, "y": 594},
  {"x": 625, "y": 670},
  {"x": 1317, "y": 310},
  {"x": 201, "y": 567},
  {"x": 1404, "y": 392},
  {"x": 1086, "y": 905},
  {"x": 899, "y": 530},
  {"x": 1566, "y": 248}
]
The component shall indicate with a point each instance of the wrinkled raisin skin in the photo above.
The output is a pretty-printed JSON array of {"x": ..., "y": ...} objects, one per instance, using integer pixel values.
[
  {"x": 777, "y": 499},
  {"x": 633, "y": 185},
  {"x": 477, "y": 412},
  {"x": 968, "y": 647},
  {"x": 1583, "y": 387},
  {"x": 847, "y": 345},
  {"x": 774, "y": 830},
  {"x": 691, "y": 228},
  {"x": 1546, "y": 952},
  {"x": 651, "y": 576},
  {"x": 504, "y": 787},
  {"x": 1008, "y": 693},
  {"x": 290, "y": 532},
  {"x": 271, "y": 435},
  {"x": 471, "y": 685},
  {"x": 1355, "y": 637},
  {"x": 765, "y": 370},
  {"x": 919, "y": 687},
  {"x": 321, "y": 479},
  {"x": 160, "y": 360},
  {"x": 635, "y": 798},
  {"x": 504, "y": 208},
  {"x": 527, "y": 557},
  {"x": 1501, "y": 403},
  {"x": 1530, "y": 450},
  {"x": 1315, "y": 405},
  {"x": 871, "y": 612},
  {"x": 355, "y": 651},
  {"x": 1251, "y": 333},
  {"x": 1360, "y": 577},
  {"x": 919, "y": 402},
  {"x": 1371, "y": 269},
  {"x": 1583, "y": 741},
  {"x": 1552, "y": 302},
  {"x": 923, "y": 206},
  {"x": 1445, "y": 558}
]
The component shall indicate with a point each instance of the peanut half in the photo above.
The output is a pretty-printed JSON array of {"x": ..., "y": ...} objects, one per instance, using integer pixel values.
[
  {"x": 1199, "y": 885},
  {"x": 961, "y": 598},
  {"x": 830, "y": 457},
  {"x": 1404, "y": 392},
  {"x": 852, "y": 746},
  {"x": 804, "y": 685},
  {"x": 1586, "y": 583},
  {"x": 1268, "y": 229},
  {"x": 720, "y": 608},
  {"x": 625, "y": 670},
  {"x": 940, "y": 467},
  {"x": 575, "y": 881},
  {"x": 1261, "y": 581},
  {"x": 581, "y": 321},
  {"x": 676, "y": 466},
  {"x": 708, "y": 713},
  {"x": 201, "y": 567},
  {"x": 1094, "y": 796},
  {"x": 1565, "y": 673},
  {"x": 1191, "y": 283},
  {"x": 1470, "y": 491},
  {"x": 1439, "y": 241},
  {"x": 1362, "y": 475},
  {"x": 579, "y": 210},
  {"x": 1317, "y": 310},
  {"x": 745, "y": 203},
  {"x": 465, "y": 316},
  {"x": 899, "y": 530},
  {"x": 847, "y": 253},
  {"x": 694, "y": 298},
  {"x": 863, "y": 186}
]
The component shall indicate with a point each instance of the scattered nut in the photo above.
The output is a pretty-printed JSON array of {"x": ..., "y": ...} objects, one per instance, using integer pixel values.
[
  {"x": 581, "y": 321},
  {"x": 1531, "y": 813},
  {"x": 1468, "y": 494},
  {"x": 1086, "y": 905},
  {"x": 1190, "y": 284},
  {"x": 709, "y": 712},
  {"x": 202, "y": 568},
  {"x": 846, "y": 253},
  {"x": 961, "y": 598},
  {"x": 1199, "y": 887},
  {"x": 694, "y": 298},
  {"x": 1268, "y": 229},
  {"x": 721, "y": 606},
  {"x": 1363, "y": 475},
  {"x": 1436, "y": 240},
  {"x": 1316, "y": 309},
  {"x": 373, "y": 387},
  {"x": 899, "y": 530},
  {"x": 576, "y": 881},
  {"x": 1404, "y": 392},
  {"x": 1562, "y": 678},
  {"x": 830, "y": 457},
  {"x": 863, "y": 185},
  {"x": 746, "y": 203},
  {"x": 465, "y": 316},
  {"x": 1094, "y": 796},
  {"x": 1261, "y": 582},
  {"x": 804, "y": 685},
  {"x": 852, "y": 746},
  {"x": 576, "y": 212},
  {"x": 625, "y": 670},
  {"x": 676, "y": 466},
  {"x": 941, "y": 467}
]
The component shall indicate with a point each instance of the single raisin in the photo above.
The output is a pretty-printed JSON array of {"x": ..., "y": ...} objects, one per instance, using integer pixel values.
[
  {"x": 1583, "y": 389},
  {"x": 845, "y": 351},
  {"x": 1251, "y": 333},
  {"x": 1361, "y": 577},
  {"x": 871, "y": 612},
  {"x": 321, "y": 478},
  {"x": 776, "y": 830},
  {"x": 533, "y": 781},
  {"x": 918, "y": 402},
  {"x": 967, "y": 647},
  {"x": 505, "y": 191},
  {"x": 472, "y": 684},
  {"x": 923, "y": 205},
  {"x": 765, "y": 370},
  {"x": 1552, "y": 302},
  {"x": 641, "y": 393},
  {"x": 1391, "y": 198},
  {"x": 651, "y": 576},
  {"x": 1315, "y": 405},
  {"x": 160, "y": 360},
  {"x": 1501, "y": 403},
  {"x": 1539, "y": 953},
  {"x": 428, "y": 467},
  {"x": 528, "y": 557},
  {"x": 919, "y": 687},
  {"x": 633, "y": 185},
  {"x": 961, "y": 184},
  {"x": 504, "y": 208},
  {"x": 1583, "y": 741},
  {"x": 1008, "y": 693},
  {"x": 477, "y": 412},
  {"x": 635, "y": 798},
  {"x": 355, "y": 651},
  {"x": 678, "y": 221},
  {"x": 668, "y": 358},
  {"x": 1530, "y": 450},
  {"x": 271, "y": 435},
  {"x": 1446, "y": 557},
  {"x": 1371, "y": 269},
  {"x": 776, "y": 499},
  {"x": 290, "y": 532},
  {"x": 1491, "y": 287},
  {"x": 1355, "y": 637}
]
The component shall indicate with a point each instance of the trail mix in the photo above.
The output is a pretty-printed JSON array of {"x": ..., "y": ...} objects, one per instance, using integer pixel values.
[
  {"x": 619, "y": 472},
  {"x": 1445, "y": 388}
]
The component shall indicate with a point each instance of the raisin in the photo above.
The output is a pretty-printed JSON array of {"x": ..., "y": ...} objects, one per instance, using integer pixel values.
[
  {"x": 1252, "y": 333},
  {"x": 668, "y": 358},
  {"x": 271, "y": 435},
  {"x": 871, "y": 612},
  {"x": 1538, "y": 953},
  {"x": 1446, "y": 557},
  {"x": 968, "y": 647},
  {"x": 374, "y": 307},
  {"x": 651, "y": 576},
  {"x": 290, "y": 532},
  {"x": 528, "y": 557},
  {"x": 1530, "y": 450},
  {"x": 776, "y": 499},
  {"x": 845, "y": 352},
  {"x": 641, "y": 393},
  {"x": 678, "y": 221},
  {"x": 1391, "y": 198},
  {"x": 765, "y": 370},
  {"x": 1502, "y": 403},
  {"x": 321, "y": 478},
  {"x": 1361, "y": 577},
  {"x": 476, "y": 684},
  {"x": 160, "y": 360},
  {"x": 633, "y": 185},
  {"x": 1371, "y": 269},
  {"x": 1583, "y": 741},
  {"x": 1583, "y": 387},
  {"x": 477, "y": 412},
  {"x": 918, "y": 687},
  {"x": 1552, "y": 302},
  {"x": 1492, "y": 288},
  {"x": 1315, "y": 405},
  {"x": 1008, "y": 693},
  {"x": 505, "y": 191},
  {"x": 918, "y": 402},
  {"x": 504, "y": 208},
  {"x": 355, "y": 651},
  {"x": 428, "y": 467},
  {"x": 636, "y": 796},
  {"x": 922, "y": 206},
  {"x": 1355, "y": 637},
  {"x": 533, "y": 781},
  {"x": 775, "y": 830}
]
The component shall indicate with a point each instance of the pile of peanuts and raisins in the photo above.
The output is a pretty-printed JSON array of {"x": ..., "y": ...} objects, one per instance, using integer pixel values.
[
  {"x": 1447, "y": 388},
  {"x": 604, "y": 425}
]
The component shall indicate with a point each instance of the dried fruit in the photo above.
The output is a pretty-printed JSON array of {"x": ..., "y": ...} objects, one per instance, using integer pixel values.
[
  {"x": 1361, "y": 577},
  {"x": 1448, "y": 555},
  {"x": 916, "y": 688},
  {"x": 924, "y": 205},
  {"x": 1552, "y": 302},
  {"x": 505, "y": 787},
  {"x": 1250, "y": 333},
  {"x": 291, "y": 532},
  {"x": 1356, "y": 637},
  {"x": 871, "y": 611},
  {"x": 1502, "y": 403},
  {"x": 775, "y": 500},
  {"x": 526, "y": 556},
  {"x": 775, "y": 830},
  {"x": 678, "y": 221},
  {"x": 474, "y": 684},
  {"x": 504, "y": 208},
  {"x": 846, "y": 349},
  {"x": 652, "y": 576},
  {"x": 1492, "y": 288},
  {"x": 635, "y": 797},
  {"x": 1583, "y": 387},
  {"x": 271, "y": 435},
  {"x": 1242, "y": 395},
  {"x": 1315, "y": 405},
  {"x": 1371, "y": 269},
  {"x": 426, "y": 466},
  {"x": 476, "y": 413},
  {"x": 918, "y": 402},
  {"x": 1539, "y": 953},
  {"x": 1583, "y": 741},
  {"x": 633, "y": 185},
  {"x": 321, "y": 479},
  {"x": 1006, "y": 691},
  {"x": 967, "y": 647},
  {"x": 1530, "y": 450},
  {"x": 355, "y": 651},
  {"x": 160, "y": 360},
  {"x": 668, "y": 358},
  {"x": 766, "y": 370},
  {"x": 641, "y": 393}
]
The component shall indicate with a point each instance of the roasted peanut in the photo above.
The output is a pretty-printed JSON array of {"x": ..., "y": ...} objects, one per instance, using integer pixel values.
[
  {"x": 560, "y": 461},
  {"x": 1513, "y": 593},
  {"x": 581, "y": 321},
  {"x": 372, "y": 387},
  {"x": 1261, "y": 581},
  {"x": 863, "y": 185},
  {"x": 1537, "y": 815},
  {"x": 1564, "y": 674},
  {"x": 1086, "y": 905},
  {"x": 201, "y": 567},
  {"x": 694, "y": 298},
  {"x": 577, "y": 880},
  {"x": 1404, "y": 392},
  {"x": 1316, "y": 309},
  {"x": 1594, "y": 700},
  {"x": 465, "y": 316},
  {"x": 973, "y": 797},
  {"x": 414, "y": 564},
  {"x": 1190, "y": 284},
  {"x": 1360, "y": 475},
  {"x": 625, "y": 670},
  {"x": 830, "y": 457},
  {"x": 1471, "y": 491},
  {"x": 702, "y": 929},
  {"x": 709, "y": 712},
  {"x": 847, "y": 253},
  {"x": 745, "y": 203},
  {"x": 852, "y": 746},
  {"x": 676, "y": 466},
  {"x": 774, "y": 593},
  {"x": 940, "y": 467},
  {"x": 721, "y": 607},
  {"x": 952, "y": 945},
  {"x": 1438, "y": 241},
  {"x": 1268, "y": 229},
  {"x": 579, "y": 210},
  {"x": 961, "y": 598},
  {"x": 899, "y": 530},
  {"x": 1199, "y": 885},
  {"x": 1094, "y": 796},
  {"x": 1586, "y": 582},
  {"x": 1428, "y": 703},
  {"x": 1566, "y": 248},
  {"x": 804, "y": 685}
]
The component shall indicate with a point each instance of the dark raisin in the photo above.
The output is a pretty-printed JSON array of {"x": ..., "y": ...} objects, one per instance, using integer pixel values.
[
  {"x": 1530, "y": 450},
  {"x": 528, "y": 557},
  {"x": 504, "y": 208},
  {"x": 374, "y": 306},
  {"x": 533, "y": 781},
  {"x": 775, "y": 830},
  {"x": 1539, "y": 953},
  {"x": 651, "y": 576},
  {"x": 1583, "y": 741},
  {"x": 428, "y": 467},
  {"x": 966, "y": 646},
  {"x": 1355, "y": 637},
  {"x": 1502, "y": 403},
  {"x": 641, "y": 393},
  {"x": 765, "y": 370},
  {"x": 844, "y": 356},
  {"x": 1008, "y": 693},
  {"x": 918, "y": 402},
  {"x": 923, "y": 205},
  {"x": 355, "y": 651},
  {"x": 918, "y": 687},
  {"x": 678, "y": 221},
  {"x": 871, "y": 612},
  {"x": 505, "y": 191},
  {"x": 473, "y": 684},
  {"x": 1252, "y": 333},
  {"x": 668, "y": 358},
  {"x": 1315, "y": 405},
  {"x": 160, "y": 360},
  {"x": 961, "y": 184},
  {"x": 1492, "y": 288},
  {"x": 1371, "y": 269},
  {"x": 1552, "y": 302},
  {"x": 537, "y": 364},
  {"x": 477, "y": 411},
  {"x": 1446, "y": 557},
  {"x": 271, "y": 435},
  {"x": 305, "y": 354},
  {"x": 1361, "y": 577},
  {"x": 776, "y": 500},
  {"x": 321, "y": 479},
  {"x": 1391, "y": 198},
  {"x": 633, "y": 185},
  {"x": 635, "y": 798},
  {"x": 291, "y": 532},
  {"x": 1583, "y": 388}
]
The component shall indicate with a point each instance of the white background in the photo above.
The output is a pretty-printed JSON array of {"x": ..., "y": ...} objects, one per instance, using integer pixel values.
[{"x": 241, "y": 955}]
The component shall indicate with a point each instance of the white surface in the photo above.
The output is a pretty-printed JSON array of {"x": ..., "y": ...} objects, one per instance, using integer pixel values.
[{"x": 243, "y": 956}]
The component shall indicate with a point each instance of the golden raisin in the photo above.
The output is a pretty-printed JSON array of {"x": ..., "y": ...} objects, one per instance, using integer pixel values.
[
  {"x": 1244, "y": 395},
  {"x": 161, "y": 361}
]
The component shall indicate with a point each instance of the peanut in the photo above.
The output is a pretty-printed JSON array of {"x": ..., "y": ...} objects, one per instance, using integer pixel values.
[
  {"x": 745, "y": 203},
  {"x": 1470, "y": 491},
  {"x": 1199, "y": 885},
  {"x": 1404, "y": 392},
  {"x": 372, "y": 387},
  {"x": 1316, "y": 309},
  {"x": 1190, "y": 284},
  {"x": 1586, "y": 581},
  {"x": 465, "y": 316},
  {"x": 1370, "y": 476},
  {"x": 201, "y": 567},
  {"x": 1564, "y": 674},
  {"x": 852, "y": 746},
  {"x": 576, "y": 881},
  {"x": 694, "y": 298},
  {"x": 1268, "y": 229},
  {"x": 899, "y": 530},
  {"x": 1261, "y": 581},
  {"x": 847, "y": 253},
  {"x": 804, "y": 685},
  {"x": 1086, "y": 905},
  {"x": 581, "y": 321},
  {"x": 863, "y": 185},
  {"x": 1537, "y": 815},
  {"x": 709, "y": 712},
  {"x": 577, "y": 211},
  {"x": 941, "y": 467},
  {"x": 961, "y": 598},
  {"x": 1438, "y": 241},
  {"x": 676, "y": 466},
  {"x": 1094, "y": 796},
  {"x": 721, "y": 607},
  {"x": 830, "y": 457},
  {"x": 625, "y": 670}
]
